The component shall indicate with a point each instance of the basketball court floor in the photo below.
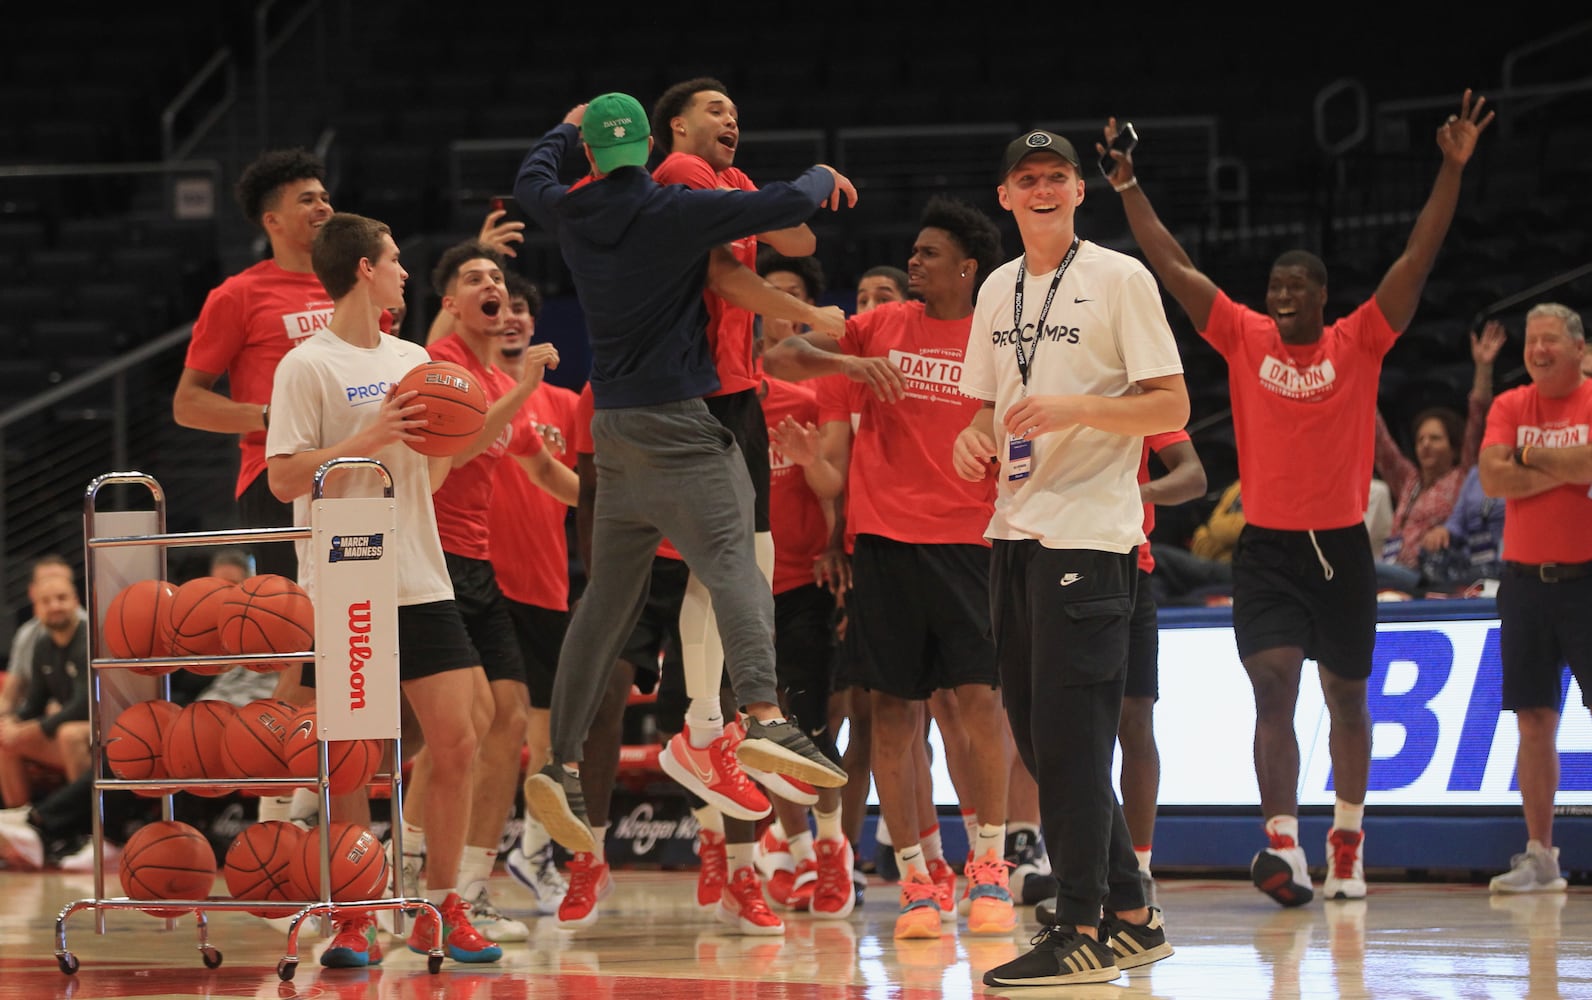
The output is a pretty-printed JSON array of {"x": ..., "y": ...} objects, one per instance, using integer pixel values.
[{"x": 1406, "y": 941}]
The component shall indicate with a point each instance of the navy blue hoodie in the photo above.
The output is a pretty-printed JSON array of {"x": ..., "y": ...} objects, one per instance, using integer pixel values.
[{"x": 638, "y": 251}]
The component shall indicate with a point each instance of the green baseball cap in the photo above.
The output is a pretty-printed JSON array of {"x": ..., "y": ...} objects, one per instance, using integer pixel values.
[{"x": 615, "y": 127}]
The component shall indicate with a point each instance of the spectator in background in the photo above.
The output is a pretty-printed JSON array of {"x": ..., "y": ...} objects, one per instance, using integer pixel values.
[
  {"x": 1445, "y": 449},
  {"x": 1206, "y": 566},
  {"x": 19, "y": 665},
  {"x": 231, "y": 565},
  {"x": 879, "y": 285},
  {"x": 1468, "y": 547}
]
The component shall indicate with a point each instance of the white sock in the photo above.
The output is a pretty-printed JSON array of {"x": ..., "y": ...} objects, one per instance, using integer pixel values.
[
  {"x": 991, "y": 837},
  {"x": 801, "y": 847},
  {"x": 738, "y": 856},
  {"x": 439, "y": 896},
  {"x": 881, "y": 833},
  {"x": 1285, "y": 826},
  {"x": 600, "y": 834},
  {"x": 828, "y": 824},
  {"x": 909, "y": 858},
  {"x": 414, "y": 840},
  {"x": 475, "y": 867},
  {"x": 704, "y": 721},
  {"x": 1144, "y": 859},
  {"x": 709, "y": 819},
  {"x": 929, "y": 840},
  {"x": 1015, "y": 828},
  {"x": 275, "y": 807},
  {"x": 1347, "y": 815},
  {"x": 305, "y": 804},
  {"x": 701, "y": 652},
  {"x": 533, "y": 837},
  {"x": 970, "y": 824}
]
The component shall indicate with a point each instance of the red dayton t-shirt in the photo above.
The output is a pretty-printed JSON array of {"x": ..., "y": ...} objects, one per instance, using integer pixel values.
[
  {"x": 466, "y": 495},
  {"x": 1304, "y": 414},
  {"x": 1555, "y": 526},
  {"x": 530, "y": 547},
  {"x": 797, "y": 518},
  {"x": 730, "y": 330},
  {"x": 585, "y": 407},
  {"x": 249, "y": 322},
  {"x": 1155, "y": 443},
  {"x": 901, "y": 482}
]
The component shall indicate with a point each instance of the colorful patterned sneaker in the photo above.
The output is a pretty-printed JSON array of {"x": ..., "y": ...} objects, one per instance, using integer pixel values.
[
  {"x": 1345, "y": 865},
  {"x": 944, "y": 878},
  {"x": 714, "y": 774},
  {"x": 354, "y": 946},
  {"x": 492, "y": 923},
  {"x": 989, "y": 896},
  {"x": 1534, "y": 870},
  {"x": 1060, "y": 957},
  {"x": 1280, "y": 871},
  {"x": 834, "y": 893},
  {"x": 714, "y": 872},
  {"x": 1031, "y": 879},
  {"x": 589, "y": 883},
  {"x": 920, "y": 906},
  {"x": 460, "y": 940},
  {"x": 555, "y": 797},
  {"x": 782, "y": 748},
  {"x": 539, "y": 873},
  {"x": 742, "y": 906},
  {"x": 1136, "y": 944}
]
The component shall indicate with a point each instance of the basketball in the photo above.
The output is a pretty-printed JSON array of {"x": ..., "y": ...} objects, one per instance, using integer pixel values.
[
  {"x": 258, "y": 866},
  {"x": 455, "y": 406},
  {"x": 134, "y": 623},
  {"x": 168, "y": 860},
  {"x": 191, "y": 619},
  {"x": 350, "y": 764},
  {"x": 136, "y": 745},
  {"x": 254, "y": 741},
  {"x": 359, "y": 866},
  {"x": 193, "y": 744},
  {"x": 266, "y": 614}
]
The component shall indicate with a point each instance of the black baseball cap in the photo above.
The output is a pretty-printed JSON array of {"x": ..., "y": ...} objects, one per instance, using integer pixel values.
[{"x": 1037, "y": 141}]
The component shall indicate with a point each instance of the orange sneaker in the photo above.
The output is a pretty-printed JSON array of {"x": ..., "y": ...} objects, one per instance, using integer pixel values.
[
  {"x": 989, "y": 896},
  {"x": 460, "y": 940},
  {"x": 920, "y": 906},
  {"x": 714, "y": 774}
]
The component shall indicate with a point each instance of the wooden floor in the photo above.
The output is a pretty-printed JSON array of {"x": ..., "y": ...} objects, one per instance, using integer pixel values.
[{"x": 1432, "y": 941}]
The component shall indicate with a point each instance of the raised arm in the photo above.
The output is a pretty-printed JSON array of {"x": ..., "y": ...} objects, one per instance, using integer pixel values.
[
  {"x": 1400, "y": 290},
  {"x": 1483, "y": 352},
  {"x": 740, "y": 285},
  {"x": 1392, "y": 464},
  {"x": 813, "y": 355},
  {"x": 1188, "y": 285}
]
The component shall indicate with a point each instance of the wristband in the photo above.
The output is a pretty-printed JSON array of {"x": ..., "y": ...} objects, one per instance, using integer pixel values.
[
  {"x": 1133, "y": 182},
  {"x": 265, "y": 415},
  {"x": 1525, "y": 453}
]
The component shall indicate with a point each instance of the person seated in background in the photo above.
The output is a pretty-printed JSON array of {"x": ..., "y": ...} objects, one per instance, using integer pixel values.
[
  {"x": 1468, "y": 547},
  {"x": 1445, "y": 449},
  {"x": 1185, "y": 576},
  {"x": 49, "y": 726},
  {"x": 879, "y": 285}
]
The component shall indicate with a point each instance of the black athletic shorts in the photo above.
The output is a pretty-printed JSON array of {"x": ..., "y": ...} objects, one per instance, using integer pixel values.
[
  {"x": 741, "y": 413},
  {"x": 431, "y": 640},
  {"x": 920, "y": 615},
  {"x": 654, "y": 644},
  {"x": 541, "y": 633},
  {"x": 1144, "y": 645},
  {"x": 804, "y": 637},
  {"x": 258, "y": 507},
  {"x": 486, "y": 617},
  {"x": 1311, "y": 589},
  {"x": 1544, "y": 626}
]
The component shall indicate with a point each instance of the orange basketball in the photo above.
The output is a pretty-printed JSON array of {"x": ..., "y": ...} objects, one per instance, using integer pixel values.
[
  {"x": 350, "y": 764},
  {"x": 136, "y": 745},
  {"x": 258, "y": 866},
  {"x": 254, "y": 741},
  {"x": 193, "y": 744},
  {"x": 191, "y": 621},
  {"x": 168, "y": 861},
  {"x": 455, "y": 406},
  {"x": 359, "y": 867},
  {"x": 267, "y": 614},
  {"x": 134, "y": 623}
]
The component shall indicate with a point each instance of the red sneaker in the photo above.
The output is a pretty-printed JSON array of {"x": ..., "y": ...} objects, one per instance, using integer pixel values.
[
  {"x": 715, "y": 870},
  {"x": 589, "y": 882},
  {"x": 743, "y": 907},
  {"x": 834, "y": 893},
  {"x": 944, "y": 878},
  {"x": 715, "y": 776},
  {"x": 355, "y": 945},
  {"x": 460, "y": 940}
]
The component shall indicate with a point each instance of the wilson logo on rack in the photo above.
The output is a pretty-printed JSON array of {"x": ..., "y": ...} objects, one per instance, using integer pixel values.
[{"x": 358, "y": 652}]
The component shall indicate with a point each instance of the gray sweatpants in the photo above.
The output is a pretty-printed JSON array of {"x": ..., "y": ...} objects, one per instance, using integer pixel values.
[{"x": 667, "y": 471}]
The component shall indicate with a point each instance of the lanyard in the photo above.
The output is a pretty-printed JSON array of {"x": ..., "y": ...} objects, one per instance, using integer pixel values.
[{"x": 1025, "y": 361}]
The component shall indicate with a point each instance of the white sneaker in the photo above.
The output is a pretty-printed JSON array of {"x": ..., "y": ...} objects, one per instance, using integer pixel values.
[
  {"x": 491, "y": 922},
  {"x": 21, "y": 846},
  {"x": 1535, "y": 870},
  {"x": 82, "y": 859},
  {"x": 539, "y": 874},
  {"x": 1345, "y": 865},
  {"x": 1280, "y": 871},
  {"x": 409, "y": 883}
]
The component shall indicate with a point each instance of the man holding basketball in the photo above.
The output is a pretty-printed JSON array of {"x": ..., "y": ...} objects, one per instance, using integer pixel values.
[{"x": 318, "y": 419}]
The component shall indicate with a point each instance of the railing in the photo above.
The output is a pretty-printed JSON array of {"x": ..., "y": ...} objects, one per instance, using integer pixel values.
[{"x": 221, "y": 63}]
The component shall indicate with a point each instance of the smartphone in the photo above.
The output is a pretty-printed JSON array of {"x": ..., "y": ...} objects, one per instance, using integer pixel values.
[
  {"x": 506, "y": 204},
  {"x": 1126, "y": 139}
]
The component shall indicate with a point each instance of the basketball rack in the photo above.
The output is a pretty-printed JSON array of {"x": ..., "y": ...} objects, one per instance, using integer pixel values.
[{"x": 138, "y": 552}]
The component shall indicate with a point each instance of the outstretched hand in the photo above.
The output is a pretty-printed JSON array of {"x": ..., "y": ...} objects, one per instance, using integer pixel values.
[
  {"x": 499, "y": 235},
  {"x": 1457, "y": 136},
  {"x": 576, "y": 115},
  {"x": 1484, "y": 348},
  {"x": 843, "y": 187}
]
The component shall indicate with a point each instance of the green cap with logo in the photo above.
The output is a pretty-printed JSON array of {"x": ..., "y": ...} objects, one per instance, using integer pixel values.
[{"x": 615, "y": 127}]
